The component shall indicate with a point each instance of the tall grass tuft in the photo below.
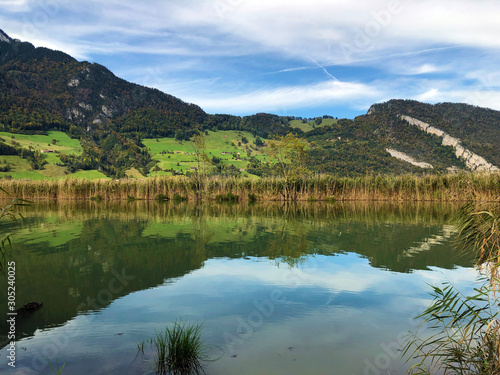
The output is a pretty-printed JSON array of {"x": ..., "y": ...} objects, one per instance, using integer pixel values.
[
  {"x": 480, "y": 235},
  {"x": 466, "y": 329},
  {"x": 179, "y": 350}
]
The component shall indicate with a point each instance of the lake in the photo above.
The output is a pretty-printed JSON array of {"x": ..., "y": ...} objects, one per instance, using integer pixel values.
[{"x": 280, "y": 289}]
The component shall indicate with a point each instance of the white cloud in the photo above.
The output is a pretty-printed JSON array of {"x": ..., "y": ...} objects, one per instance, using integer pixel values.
[
  {"x": 426, "y": 69},
  {"x": 318, "y": 29},
  {"x": 430, "y": 95},
  {"x": 403, "y": 39},
  {"x": 15, "y": 5},
  {"x": 480, "y": 97},
  {"x": 272, "y": 99}
]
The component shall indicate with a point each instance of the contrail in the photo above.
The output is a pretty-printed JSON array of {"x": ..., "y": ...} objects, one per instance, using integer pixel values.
[
  {"x": 407, "y": 53},
  {"x": 326, "y": 71}
]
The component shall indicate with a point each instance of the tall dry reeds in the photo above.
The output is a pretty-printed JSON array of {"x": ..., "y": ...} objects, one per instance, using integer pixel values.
[
  {"x": 453, "y": 187},
  {"x": 465, "y": 328}
]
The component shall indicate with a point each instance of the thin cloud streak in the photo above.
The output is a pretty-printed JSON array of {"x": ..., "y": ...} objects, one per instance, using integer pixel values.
[{"x": 331, "y": 92}]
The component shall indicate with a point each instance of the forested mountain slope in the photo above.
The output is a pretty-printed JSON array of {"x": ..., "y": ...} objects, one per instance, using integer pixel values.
[{"x": 42, "y": 90}]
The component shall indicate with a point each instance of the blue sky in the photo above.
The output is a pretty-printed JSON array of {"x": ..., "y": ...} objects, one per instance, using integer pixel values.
[{"x": 301, "y": 58}]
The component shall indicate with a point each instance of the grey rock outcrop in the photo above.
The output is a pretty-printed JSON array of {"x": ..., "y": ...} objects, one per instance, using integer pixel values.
[
  {"x": 407, "y": 158},
  {"x": 472, "y": 160}
]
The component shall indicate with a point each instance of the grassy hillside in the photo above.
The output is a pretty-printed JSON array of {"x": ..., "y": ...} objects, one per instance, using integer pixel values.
[
  {"x": 55, "y": 141},
  {"x": 231, "y": 147},
  {"x": 310, "y": 125},
  {"x": 228, "y": 146}
]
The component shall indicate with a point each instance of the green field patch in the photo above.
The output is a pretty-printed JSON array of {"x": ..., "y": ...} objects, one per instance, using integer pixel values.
[
  {"x": 64, "y": 144},
  {"x": 21, "y": 169},
  {"x": 133, "y": 173},
  {"x": 310, "y": 125},
  {"x": 90, "y": 175},
  {"x": 53, "y": 171},
  {"x": 179, "y": 155}
]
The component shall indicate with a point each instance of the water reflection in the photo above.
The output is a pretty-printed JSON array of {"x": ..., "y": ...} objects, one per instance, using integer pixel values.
[{"x": 108, "y": 269}]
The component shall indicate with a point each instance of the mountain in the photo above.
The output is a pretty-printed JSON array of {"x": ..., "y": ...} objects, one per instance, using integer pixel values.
[
  {"x": 402, "y": 136},
  {"x": 61, "y": 92},
  {"x": 477, "y": 129},
  {"x": 5, "y": 38},
  {"x": 43, "y": 90}
]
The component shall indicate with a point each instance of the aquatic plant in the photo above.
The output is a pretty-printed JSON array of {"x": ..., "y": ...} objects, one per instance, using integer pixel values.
[
  {"x": 57, "y": 370},
  {"x": 179, "y": 350},
  {"x": 466, "y": 329}
]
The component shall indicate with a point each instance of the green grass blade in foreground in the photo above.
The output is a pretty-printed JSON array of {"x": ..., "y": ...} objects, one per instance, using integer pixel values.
[{"x": 179, "y": 349}]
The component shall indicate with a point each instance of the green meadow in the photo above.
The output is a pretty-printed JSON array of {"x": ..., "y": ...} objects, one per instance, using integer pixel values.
[
  {"x": 310, "y": 125},
  {"x": 180, "y": 156},
  {"x": 20, "y": 168},
  {"x": 171, "y": 154}
]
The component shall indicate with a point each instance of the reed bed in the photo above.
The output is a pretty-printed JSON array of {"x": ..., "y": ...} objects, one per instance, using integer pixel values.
[{"x": 440, "y": 188}]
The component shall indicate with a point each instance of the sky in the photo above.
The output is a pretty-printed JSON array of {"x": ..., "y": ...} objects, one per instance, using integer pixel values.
[{"x": 295, "y": 58}]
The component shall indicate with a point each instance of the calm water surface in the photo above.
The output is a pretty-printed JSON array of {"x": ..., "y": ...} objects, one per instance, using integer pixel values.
[{"x": 307, "y": 289}]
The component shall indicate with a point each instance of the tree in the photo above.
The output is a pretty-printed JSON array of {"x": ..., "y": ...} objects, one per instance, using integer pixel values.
[
  {"x": 36, "y": 160},
  {"x": 318, "y": 120},
  {"x": 199, "y": 146},
  {"x": 292, "y": 155}
]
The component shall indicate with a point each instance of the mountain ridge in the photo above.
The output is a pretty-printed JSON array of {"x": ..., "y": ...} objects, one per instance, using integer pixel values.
[
  {"x": 43, "y": 90},
  {"x": 4, "y": 37}
]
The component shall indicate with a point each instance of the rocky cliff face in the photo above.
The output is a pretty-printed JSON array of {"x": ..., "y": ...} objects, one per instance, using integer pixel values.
[
  {"x": 472, "y": 160},
  {"x": 407, "y": 158},
  {"x": 4, "y": 37}
]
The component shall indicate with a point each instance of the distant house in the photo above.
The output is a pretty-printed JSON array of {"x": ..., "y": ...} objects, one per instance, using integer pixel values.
[
  {"x": 47, "y": 151},
  {"x": 178, "y": 152},
  {"x": 225, "y": 136},
  {"x": 242, "y": 170}
]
